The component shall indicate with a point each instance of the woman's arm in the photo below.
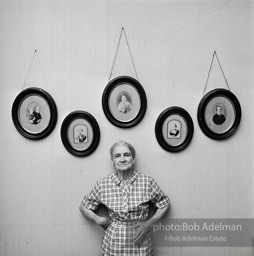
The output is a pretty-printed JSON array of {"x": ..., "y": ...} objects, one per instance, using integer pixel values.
[
  {"x": 104, "y": 222},
  {"x": 144, "y": 228}
]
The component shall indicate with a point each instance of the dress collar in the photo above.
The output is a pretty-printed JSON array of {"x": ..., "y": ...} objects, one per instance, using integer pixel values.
[{"x": 131, "y": 179}]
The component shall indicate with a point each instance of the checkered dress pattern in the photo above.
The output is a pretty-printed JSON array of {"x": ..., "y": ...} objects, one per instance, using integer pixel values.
[{"x": 127, "y": 205}]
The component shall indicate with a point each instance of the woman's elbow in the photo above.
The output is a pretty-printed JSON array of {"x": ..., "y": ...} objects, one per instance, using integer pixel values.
[
  {"x": 81, "y": 208},
  {"x": 166, "y": 208}
]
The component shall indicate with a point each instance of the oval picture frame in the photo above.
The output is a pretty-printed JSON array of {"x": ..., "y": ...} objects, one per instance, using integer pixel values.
[
  {"x": 80, "y": 133},
  {"x": 34, "y": 113},
  {"x": 219, "y": 114},
  {"x": 124, "y": 101},
  {"x": 174, "y": 129}
]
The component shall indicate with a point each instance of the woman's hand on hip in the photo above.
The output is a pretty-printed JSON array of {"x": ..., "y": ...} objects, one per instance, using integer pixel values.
[
  {"x": 142, "y": 230},
  {"x": 104, "y": 222}
]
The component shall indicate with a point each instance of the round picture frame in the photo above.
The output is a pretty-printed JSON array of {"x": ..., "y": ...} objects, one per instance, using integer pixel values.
[
  {"x": 80, "y": 133},
  {"x": 34, "y": 113},
  {"x": 174, "y": 129},
  {"x": 219, "y": 114},
  {"x": 124, "y": 101}
]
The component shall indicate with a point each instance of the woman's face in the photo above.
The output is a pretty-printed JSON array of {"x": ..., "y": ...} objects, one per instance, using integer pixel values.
[{"x": 122, "y": 158}]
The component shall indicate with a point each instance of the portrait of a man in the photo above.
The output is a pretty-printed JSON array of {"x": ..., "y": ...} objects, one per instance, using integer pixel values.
[
  {"x": 219, "y": 117},
  {"x": 80, "y": 134},
  {"x": 174, "y": 129}
]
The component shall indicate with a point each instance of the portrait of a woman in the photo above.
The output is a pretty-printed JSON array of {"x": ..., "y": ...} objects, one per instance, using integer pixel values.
[{"x": 126, "y": 193}]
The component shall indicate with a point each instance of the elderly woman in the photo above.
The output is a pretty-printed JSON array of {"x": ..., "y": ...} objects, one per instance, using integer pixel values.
[{"x": 126, "y": 193}]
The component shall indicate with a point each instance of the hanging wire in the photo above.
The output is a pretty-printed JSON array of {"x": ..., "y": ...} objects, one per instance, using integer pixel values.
[
  {"x": 222, "y": 71},
  {"x": 44, "y": 78},
  {"x": 209, "y": 73},
  {"x": 29, "y": 70},
  {"x": 130, "y": 53},
  {"x": 215, "y": 55},
  {"x": 116, "y": 54},
  {"x": 123, "y": 32}
]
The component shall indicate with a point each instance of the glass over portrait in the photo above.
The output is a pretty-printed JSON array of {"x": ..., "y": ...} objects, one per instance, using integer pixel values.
[
  {"x": 34, "y": 113},
  {"x": 219, "y": 114},
  {"x": 80, "y": 133},
  {"x": 124, "y": 101},
  {"x": 174, "y": 129}
]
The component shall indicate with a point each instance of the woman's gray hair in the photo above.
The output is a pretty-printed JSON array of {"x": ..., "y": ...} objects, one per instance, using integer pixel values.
[{"x": 123, "y": 143}]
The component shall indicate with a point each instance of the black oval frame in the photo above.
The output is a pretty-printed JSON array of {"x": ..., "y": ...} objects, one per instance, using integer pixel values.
[
  {"x": 53, "y": 112},
  {"x": 201, "y": 113},
  {"x": 159, "y": 124},
  {"x": 64, "y": 131},
  {"x": 107, "y": 91}
]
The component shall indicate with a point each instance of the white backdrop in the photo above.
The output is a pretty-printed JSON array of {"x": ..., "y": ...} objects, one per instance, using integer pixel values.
[{"x": 172, "y": 42}]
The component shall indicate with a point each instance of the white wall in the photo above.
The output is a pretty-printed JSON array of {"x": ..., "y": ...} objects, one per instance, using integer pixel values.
[{"x": 41, "y": 184}]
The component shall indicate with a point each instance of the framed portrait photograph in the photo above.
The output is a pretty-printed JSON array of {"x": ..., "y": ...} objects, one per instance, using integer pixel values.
[
  {"x": 219, "y": 114},
  {"x": 34, "y": 113},
  {"x": 174, "y": 129},
  {"x": 124, "y": 102},
  {"x": 80, "y": 133}
]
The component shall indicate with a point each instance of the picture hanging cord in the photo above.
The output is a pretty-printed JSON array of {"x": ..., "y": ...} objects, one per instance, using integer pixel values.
[
  {"x": 29, "y": 70},
  {"x": 122, "y": 32},
  {"x": 215, "y": 54}
]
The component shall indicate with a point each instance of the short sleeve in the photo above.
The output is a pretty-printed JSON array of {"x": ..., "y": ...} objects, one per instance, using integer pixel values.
[
  {"x": 92, "y": 200},
  {"x": 157, "y": 196}
]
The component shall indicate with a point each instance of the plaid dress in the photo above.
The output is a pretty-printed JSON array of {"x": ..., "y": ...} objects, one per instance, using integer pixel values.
[{"x": 128, "y": 205}]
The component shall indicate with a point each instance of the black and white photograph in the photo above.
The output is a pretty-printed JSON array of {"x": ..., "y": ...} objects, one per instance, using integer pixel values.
[
  {"x": 124, "y": 101},
  {"x": 219, "y": 114},
  {"x": 174, "y": 129},
  {"x": 127, "y": 127},
  {"x": 80, "y": 133},
  {"x": 34, "y": 113}
]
